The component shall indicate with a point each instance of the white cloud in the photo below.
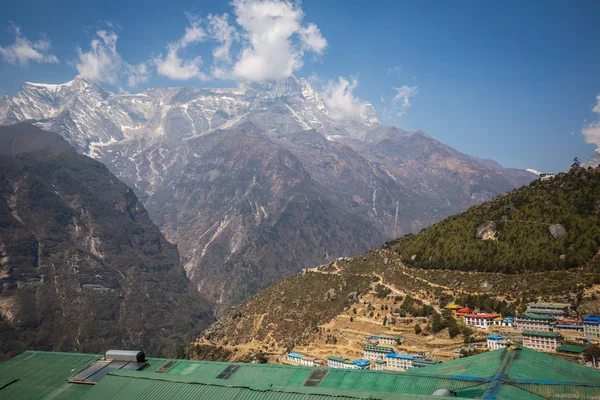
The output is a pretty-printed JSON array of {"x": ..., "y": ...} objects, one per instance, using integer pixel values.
[
  {"x": 395, "y": 70},
  {"x": 591, "y": 131},
  {"x": 311, "y": 39},
  {"x": 340, "y": 100},
  {"x": 220, "y": 30},
  {"x": 402, "y": 98},
  {"x": 275, "y": 40},
  {"x": 172, "y": 65},
  {"x": 23, "y": 51},
  {"x": 103, "y": 63}
]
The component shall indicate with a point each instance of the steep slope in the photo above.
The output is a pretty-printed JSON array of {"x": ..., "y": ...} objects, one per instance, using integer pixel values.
[
  {"x": 349, "y": 298},
  {"x": 245, "y": 214},
  {"x": 171, "y": 146},
  {"x": 553, "y": 224},
  {"x": 82, "y": 267}
]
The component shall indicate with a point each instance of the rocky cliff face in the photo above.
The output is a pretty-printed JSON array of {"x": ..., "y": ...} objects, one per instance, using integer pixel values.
[
  {"x": 258, "y": 180},
  {"x": 82, "y": 267}
]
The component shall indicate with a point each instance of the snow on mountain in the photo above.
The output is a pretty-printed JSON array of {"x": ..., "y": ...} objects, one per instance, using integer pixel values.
[{"x": 257, "y": 181}]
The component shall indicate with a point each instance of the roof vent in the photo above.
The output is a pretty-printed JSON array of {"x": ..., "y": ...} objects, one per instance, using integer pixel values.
[
  {"x": 125, "y": 355},
  {"x": 113, "y": 359},
  {"x": 442, "y": 392}
]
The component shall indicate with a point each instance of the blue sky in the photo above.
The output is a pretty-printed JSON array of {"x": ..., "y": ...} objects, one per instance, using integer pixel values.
[{"x": 512, "y": 81}]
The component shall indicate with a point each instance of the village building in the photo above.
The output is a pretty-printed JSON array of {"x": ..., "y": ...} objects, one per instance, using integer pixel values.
[
  {"x": 504, "y": 322},
  {"x": 542, "y": 340},
  {"x": 338, "y": 362},
  {"x": 535, "y": 322},
  {"x": 557, "y": 310},
  {"x": 376, "y": 352},
  {"x": 495, "y": 342},
  {"x": 379, "y": 365},
  {"x": 362, "y": 364},
  {"x": 399, "y": 362},
  {"x": 591, "y": 327},
  {"x": 385, "y": 339},
  {"x": 294, "y": 357},
  {"x": 308, "y": 361},
  {"x": 346, "y": 363},
  {"x": 319, "y": 363},
  {"x": 573, "y": 325},
  {"x": 464, "y": 310},
  {"x": 571, "y": 349},
  {"x": 453, "y": 308},
  {"x": 481, "y": 321}
]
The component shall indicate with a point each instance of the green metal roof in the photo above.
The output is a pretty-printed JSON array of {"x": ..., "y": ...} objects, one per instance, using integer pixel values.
[
  {"x": 380, "y": 349},
  {"x": 540, "y": 333},
  {"x": 514, "y": 373},
  {"x": 570, "y": 348},
  {"x": 532, "y": 315},
  {"x": 336, "y": 358}
]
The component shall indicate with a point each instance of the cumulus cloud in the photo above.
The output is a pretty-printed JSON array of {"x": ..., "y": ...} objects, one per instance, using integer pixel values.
[
  {"x": 172, "y": 65},
  {"x": 340, "y": 100},
  {"x": 591, "y": 131},
  {"x": 402, "y": 98},
  {"x": 103, "y": 63},
  {"x": 220, "y": 30},
  {"x": 23, "y": 51},
  {"x": 275, "y": 40}
]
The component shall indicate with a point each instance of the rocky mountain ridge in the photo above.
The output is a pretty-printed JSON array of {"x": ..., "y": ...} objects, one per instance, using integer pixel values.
[
  {"x": 411, "y": 278},
  {"x": 82, "y": 267},
  {"x": 175, "y": 147}
]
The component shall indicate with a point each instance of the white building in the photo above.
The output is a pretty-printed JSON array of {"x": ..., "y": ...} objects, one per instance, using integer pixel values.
[
  {"x": 294, "y": 357},
  {"x": 399, "y": 362},
  {"x": 542, "y": 341},
  {"x": 376, "y": 352},
  {"x": 480, "y": 321},
  {"x": 495, "y": 342},
  {"x": 535, "y": 322},
  {"x": 385, "y": 339},
  {"x": 557, "y": 310},
  {"x": 379, "y": 365},
  {"x": 591, "y": 327},
  {"x": 308, "y": 361},
  {"x": 345, "y": 363}
]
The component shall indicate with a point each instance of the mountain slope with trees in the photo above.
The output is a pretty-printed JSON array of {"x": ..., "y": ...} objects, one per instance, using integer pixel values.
[
  {"x": 548, "y": 225},
  {"x": 541, "y": 245}
]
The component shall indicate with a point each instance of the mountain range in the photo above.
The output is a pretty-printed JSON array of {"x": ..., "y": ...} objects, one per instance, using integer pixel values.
[
  {"x": 542, "y": 246},
  {"x": 255, "y": 182},
  {"x": 82, "y": 266}
]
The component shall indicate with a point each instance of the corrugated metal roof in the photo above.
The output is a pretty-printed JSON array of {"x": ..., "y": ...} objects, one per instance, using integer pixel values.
[
  {"x": 519, "y": 373},
  {"x": 40, "y": 375},
  {"x": 535, "y": 366},
  {"x": 128, "y": 386},
  {"x": 483, "y": 366}
]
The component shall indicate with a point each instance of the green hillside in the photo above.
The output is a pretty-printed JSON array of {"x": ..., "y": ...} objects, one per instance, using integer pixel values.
[{"x": 525, "y": 230}]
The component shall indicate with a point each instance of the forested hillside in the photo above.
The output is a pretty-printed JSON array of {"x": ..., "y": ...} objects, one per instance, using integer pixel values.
[{"x": 548, "y": 225}]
